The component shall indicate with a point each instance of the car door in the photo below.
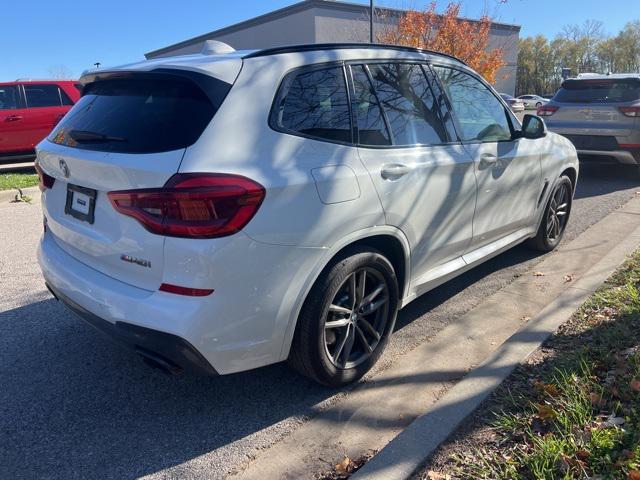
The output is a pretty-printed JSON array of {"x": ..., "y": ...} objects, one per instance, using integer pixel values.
[
  {"x": 507, "y": 167},
  {"x": 424, "y": 179},
  {"x": 11, "y": 119},
  {"x": 44, "y": 110}
]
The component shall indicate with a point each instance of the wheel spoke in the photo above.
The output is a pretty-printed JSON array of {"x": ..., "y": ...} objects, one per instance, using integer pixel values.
[
  {"x": 369, "y": 298},
  {"x": 342, "y": 322},
  {"x": 556, "y": 229},
  {"x": 363, "y": 339},
  {"x": 369, "y": 328},
  {"x": 340, "y": 347},
  {"x": 348, "y": 345},
  {"x": 372, "y": 307},
  {"x": 338, "y": 309}
]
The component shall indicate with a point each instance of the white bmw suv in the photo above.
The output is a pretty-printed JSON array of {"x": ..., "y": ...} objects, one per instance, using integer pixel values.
[{"x": 228, "y": 210}]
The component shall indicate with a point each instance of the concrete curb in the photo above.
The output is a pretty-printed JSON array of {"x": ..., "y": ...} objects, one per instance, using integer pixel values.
[
  {"x": 10, "y": 195},
  {"x": 411, "y": 448}
]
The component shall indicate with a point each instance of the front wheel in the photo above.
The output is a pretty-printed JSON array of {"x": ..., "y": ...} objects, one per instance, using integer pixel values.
[
  {"x": 347, "y": 319},
  {"x": 555, "y": 217}
]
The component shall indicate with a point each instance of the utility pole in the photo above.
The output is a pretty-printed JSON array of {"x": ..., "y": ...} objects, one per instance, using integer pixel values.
[{"x": 371, "y": 22}]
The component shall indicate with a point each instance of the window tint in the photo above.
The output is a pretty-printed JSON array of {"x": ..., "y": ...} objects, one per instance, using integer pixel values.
[
  {"x": 65, "y": 98},
  {"x": 136, "y": 116},
  {"x": 598, "y": 91},
  {"x": 480, "y": 114},
  {"x": 42, "y": 96},
  {"x": 315, "y": 103},
  {"x": 372, "y": 129},
  {"x": 408, "y": 104},
  {"x": 8, "y": 97}
]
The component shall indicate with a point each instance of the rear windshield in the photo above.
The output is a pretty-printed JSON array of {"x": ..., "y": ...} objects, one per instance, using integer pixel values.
[
  {"x": 599, "y": 91},
  {"x": 136, "y": 116}
]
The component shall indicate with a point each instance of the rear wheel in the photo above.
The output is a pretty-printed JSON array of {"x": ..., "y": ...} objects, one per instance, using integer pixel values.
[
  {"x": 538, "y": 105},
  {"x": 347, "y": 319},
  {"x": 555, "y": 217}
]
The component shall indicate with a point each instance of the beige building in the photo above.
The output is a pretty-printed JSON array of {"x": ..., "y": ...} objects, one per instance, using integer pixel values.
[{"x": 328, "y": 21}]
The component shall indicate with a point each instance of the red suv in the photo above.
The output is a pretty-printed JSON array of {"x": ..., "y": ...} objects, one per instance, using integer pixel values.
[{"x": 29, "y": 110}]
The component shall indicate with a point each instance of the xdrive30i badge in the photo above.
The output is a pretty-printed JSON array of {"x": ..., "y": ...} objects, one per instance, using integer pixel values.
[{"x": 138, "y": 261}]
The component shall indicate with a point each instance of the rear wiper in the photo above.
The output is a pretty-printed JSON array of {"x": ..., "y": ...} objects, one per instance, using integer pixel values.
[{"x": 89, "y": 137}]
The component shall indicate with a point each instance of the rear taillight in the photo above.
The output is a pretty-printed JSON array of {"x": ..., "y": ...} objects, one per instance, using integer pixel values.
[
  {"x": 193, "y": 205},
  {"x": 631, "y": 111},
  {"x": 546, "y": 110},
  {"x": 45, "y": 181}
]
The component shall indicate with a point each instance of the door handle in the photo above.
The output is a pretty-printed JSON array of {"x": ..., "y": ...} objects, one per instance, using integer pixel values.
[
  {"x": 13, "y": 118},
  {"x": 394, "y": 171},
  {"x": 487, "y": 159}
]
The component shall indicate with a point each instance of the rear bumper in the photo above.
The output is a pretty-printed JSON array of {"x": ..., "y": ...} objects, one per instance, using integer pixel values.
[{"x": 172, "y": 353}]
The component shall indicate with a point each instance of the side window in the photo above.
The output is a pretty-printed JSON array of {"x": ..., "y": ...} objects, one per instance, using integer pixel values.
[
  {"x": 480, "y": 114},
  {"x": 372, "y": 129},
  {"x": 8, "y": 97},
  {"x": 315, "y": 103},
  {"x": 408, "y": 104},
  {"x": 42, "y": 96},
  {"x": 65, "y": 98}
]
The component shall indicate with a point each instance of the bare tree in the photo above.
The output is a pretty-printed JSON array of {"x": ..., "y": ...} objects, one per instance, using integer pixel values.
[{"x": 60, "y": 72}]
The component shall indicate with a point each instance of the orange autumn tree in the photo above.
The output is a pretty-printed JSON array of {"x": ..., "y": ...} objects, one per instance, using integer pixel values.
[{"x": 468, "y": 40}]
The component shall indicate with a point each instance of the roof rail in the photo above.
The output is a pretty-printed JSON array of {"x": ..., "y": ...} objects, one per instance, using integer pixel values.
[{"x": 332, "y": 46}]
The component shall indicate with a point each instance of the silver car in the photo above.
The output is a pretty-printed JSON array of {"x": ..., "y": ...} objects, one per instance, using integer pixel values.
[
  {"x": 533, "y": 101},
  {"x": 600, "y": 115}
]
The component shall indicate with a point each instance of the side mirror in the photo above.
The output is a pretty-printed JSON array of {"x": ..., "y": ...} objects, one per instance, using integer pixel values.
[{"x": 533, "y": 127}]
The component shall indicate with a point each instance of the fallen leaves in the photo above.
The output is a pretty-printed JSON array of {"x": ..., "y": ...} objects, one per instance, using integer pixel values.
[
  {"x": 538, "y": 274},
  {"x": 634, "y": 475},
  {"x": 345, "y": 466},
  {"x": 568, "y": 278},
  {"x": 545, "y": 412},
  {"x": 433, "y": 475},
  {"x": 635, "y": 385},
  {"x": 597, "y": 400}
]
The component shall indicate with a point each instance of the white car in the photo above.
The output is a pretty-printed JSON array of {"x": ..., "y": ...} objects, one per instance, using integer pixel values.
[
  {"x": 228, "y": 210},
  {"x": 533, "y": 101}
]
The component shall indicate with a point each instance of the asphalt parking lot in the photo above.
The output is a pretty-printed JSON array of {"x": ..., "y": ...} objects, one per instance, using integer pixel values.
[{"x": 73, "y": 405}]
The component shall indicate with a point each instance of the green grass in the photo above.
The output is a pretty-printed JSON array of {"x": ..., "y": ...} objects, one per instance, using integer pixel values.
[
  {"x": 576, "y": 413},
  {"x": 12, "y": 181}
]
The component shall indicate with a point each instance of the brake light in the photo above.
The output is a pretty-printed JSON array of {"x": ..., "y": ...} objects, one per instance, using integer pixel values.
[
  {"x": 45, "y": 181},
  {"x": 631, "y": 111},
  {"x": 546, "y": 110},
  {"x": 193, "y": 205}
]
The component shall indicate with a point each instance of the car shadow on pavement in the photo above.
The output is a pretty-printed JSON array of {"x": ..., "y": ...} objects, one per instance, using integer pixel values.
[{"x": 599, "y": 179}]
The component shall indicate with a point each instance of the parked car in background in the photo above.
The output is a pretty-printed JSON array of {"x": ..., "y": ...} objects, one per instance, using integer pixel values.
[
  {"x": 600, "y": 114},
  {"x": 313, "y": 191},
  {"x": 515, "y": 104},
  {"x": 29, "y": 110},
  {"x": 533, "y": 101}
]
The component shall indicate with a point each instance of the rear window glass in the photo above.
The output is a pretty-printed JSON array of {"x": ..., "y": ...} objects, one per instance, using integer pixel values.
[
  {"x": 136, "y": 116},
  {"x": 598, "y": 91}
]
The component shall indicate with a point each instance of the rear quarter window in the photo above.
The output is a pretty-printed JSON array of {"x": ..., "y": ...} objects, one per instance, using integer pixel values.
[
  {"x": 314, "y": 103},
  {"x": 132, "y": 115},
  {"x": 599, "y": 91}
]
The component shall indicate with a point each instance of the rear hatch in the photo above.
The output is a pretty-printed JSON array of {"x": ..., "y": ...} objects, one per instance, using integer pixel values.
[
  {"x": 592, "y": 107},
  {"x": 128, "y": 131}
]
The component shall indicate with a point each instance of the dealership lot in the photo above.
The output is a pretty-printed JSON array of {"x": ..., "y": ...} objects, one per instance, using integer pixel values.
[{"x": 73, "y": 403}]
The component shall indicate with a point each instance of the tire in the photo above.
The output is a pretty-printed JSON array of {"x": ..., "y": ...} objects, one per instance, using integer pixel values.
[
  {"x": 553, "y": 225},
  {"x": 538, "y": 105},
  {"x": 331, "y": 322}
]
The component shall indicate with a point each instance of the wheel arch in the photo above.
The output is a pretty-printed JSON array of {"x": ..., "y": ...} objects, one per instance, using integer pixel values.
[
  {"x": 573, "y": 176},
  {"x": 388, "y": 240}
]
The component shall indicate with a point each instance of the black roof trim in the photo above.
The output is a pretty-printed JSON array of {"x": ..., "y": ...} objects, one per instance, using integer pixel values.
[{"x": 334, "y": 46}]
